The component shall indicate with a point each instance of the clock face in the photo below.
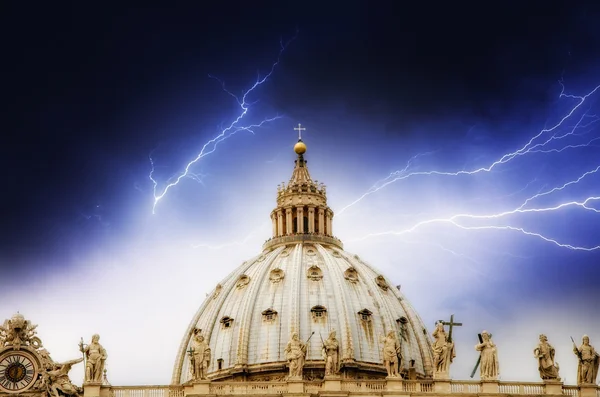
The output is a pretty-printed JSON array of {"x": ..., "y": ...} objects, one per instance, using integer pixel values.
[{"x": 18, "y": 372}]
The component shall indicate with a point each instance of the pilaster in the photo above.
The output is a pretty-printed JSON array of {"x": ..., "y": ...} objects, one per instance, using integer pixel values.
[
  {"x": 300, "y": 219},
  {"x": 92, "y": 389},
  {"x": 553, "y": 387},
  {"x": 442, "y": 385},
  {"x": 311, "y": 219},
  {"x": 197, "y": 388},
  {"x": 587, "y": 390},
  {"x": 489, "y": 386},
  {"x": 295, "y": 385}
]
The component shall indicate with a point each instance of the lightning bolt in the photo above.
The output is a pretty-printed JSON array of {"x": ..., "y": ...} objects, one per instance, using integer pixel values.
[
  {"x": 532, "y": 146},
  {"x": 234, "y": 127},
  {"x": 501, "y": 220}
]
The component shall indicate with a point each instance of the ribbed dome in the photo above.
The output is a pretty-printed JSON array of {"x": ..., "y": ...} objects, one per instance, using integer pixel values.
[{"x": 304, "y": 282}]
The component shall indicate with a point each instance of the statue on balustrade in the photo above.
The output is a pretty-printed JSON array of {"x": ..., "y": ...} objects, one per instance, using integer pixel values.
[
  {"x": 95, "y": 358},
  {"x": 544, "y": 352},
  {"x": 391, "y": 354},
  {"x": 200, "y": 356},
  {"x": 489, "y": 369},
  {"x": 295, "y": 353},
  {"x": 331, "y": 348},
  {"x": 443, "y": 352},
  {"x": 587, "y": 370}
]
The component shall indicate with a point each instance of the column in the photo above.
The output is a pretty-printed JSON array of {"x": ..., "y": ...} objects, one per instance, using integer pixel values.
[
  {"x": 279, "y": 222},
  {"x": 288, "y": 220},
  {"x": 330, "y": 223},
  {"x": 300, "y": 219},
  {"x": 321, "y": 221},
  {"x": 311, "y": 219},
  {"x": 274, "y": 222}
]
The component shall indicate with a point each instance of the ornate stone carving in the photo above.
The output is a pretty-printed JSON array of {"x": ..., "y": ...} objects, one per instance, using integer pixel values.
[
  {"x": 200, "y": 355},
  {"x": 314, "y": 273},
  {"x": 276, "y": 275},
  {"x": 295, "y": 353},
  {"x": 544, "y": 352},
  {"x": 242, "y": 281},
  {"x": 391, "y": 354},
  {"x": 351, "y": 275},
  {"x": 489, "y": 369},
  {"x": 18, "y": 332},
  {"x": 587, "y": 370},
  {"x": 95, "y": 356},
  {"x": 336, "y": 254},
  {"x": 443, "y": 352},
  {"x": 56, "y": 381},
  {"x": 331, "y": 349},
  {"x": 380, "y": 280}
]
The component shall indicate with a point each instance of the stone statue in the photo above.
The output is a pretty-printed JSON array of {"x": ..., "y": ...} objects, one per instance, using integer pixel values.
[
  {"x": 544, "y": 352},
  {"x": 57, "y": 379},
  {"x": 200, "y": 356},
  {"x": 95, "y": 358},
  {"x": 295, "y": 353},
  {"x": 489, "y": 358},
  {"x": 391, "y": 351},
  {"x": 331, "y": 348},
  {"x": 587, "y": 370},
  {"x": 443, "y": 352}
]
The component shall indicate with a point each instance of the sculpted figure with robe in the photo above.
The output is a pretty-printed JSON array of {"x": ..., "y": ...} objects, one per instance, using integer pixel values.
[
  {"x": 95, "y": 358},
  {"x": 331, "y": 349},
  {"x": 295, "y": 353},
  {"x": 544, "y": 352},
  {"x": 443, "y": 351},
  {"x": 587, "y": 370},
  {"x": 200, "y": 356},
  {"x": 489, "y": 368},
  {"x": 391, "y": 352}
]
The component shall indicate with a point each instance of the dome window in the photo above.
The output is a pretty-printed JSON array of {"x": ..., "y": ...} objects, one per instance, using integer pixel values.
[
  {"x": 365, "y": 315},
  {"x": 380, "y": 280},
  {"x": 314, "y": 273},
  {"x": 242, "y": 281},
  {"x": 319, "y": 313},
  {"x": 227, "y": 322},
  {"x": 269, "y": 315},
  {"x": 220, "y": 364},
  {"x": 276, "y": 275},
  {"x": 351, "y": 275}
]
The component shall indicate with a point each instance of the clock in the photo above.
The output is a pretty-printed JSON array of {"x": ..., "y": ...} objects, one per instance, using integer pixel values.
[{"x": 18, "y": 371}]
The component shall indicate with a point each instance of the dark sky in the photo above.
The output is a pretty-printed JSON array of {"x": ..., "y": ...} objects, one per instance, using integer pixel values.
[{"x": 89, "y": 91}]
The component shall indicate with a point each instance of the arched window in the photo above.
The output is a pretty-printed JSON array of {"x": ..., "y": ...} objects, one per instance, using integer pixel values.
[
  {"x": 227, "y": 322},
  {"x": 365, "y": 314},
  {"x": 319, "y": 313},
  {"x": 269, "y": 315}
]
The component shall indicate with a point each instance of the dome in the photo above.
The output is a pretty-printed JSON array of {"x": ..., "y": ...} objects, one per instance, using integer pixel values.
[{"x": 304, "y": 282}]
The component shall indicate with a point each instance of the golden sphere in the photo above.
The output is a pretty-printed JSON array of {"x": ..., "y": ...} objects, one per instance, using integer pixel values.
[{"x": 300, "y": 148}]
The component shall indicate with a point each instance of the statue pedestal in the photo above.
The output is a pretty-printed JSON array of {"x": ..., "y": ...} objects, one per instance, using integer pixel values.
[
  {"x": 92, "y": 389},
  {"x": 490, "y": 386},
  {"x": 587, "y": 390},
  {"x": 441, "y": 385},
  {"x": 553, "y": 387},
  {"x": 394, "y": 383},
  {"x": 332, "y": 383},
  {"x": 198, "y": 387},
  {"x": 296, "y": 385}
]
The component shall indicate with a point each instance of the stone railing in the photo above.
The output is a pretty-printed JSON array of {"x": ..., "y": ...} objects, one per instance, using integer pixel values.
[
  {"x": 302, "y": 237},
  {"x": 145, "y": 391},
  {"x": 348, "y": 386}
]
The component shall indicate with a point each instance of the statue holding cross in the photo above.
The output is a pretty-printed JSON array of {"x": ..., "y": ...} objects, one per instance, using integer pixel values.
[{"x": 443, "y": 349}]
